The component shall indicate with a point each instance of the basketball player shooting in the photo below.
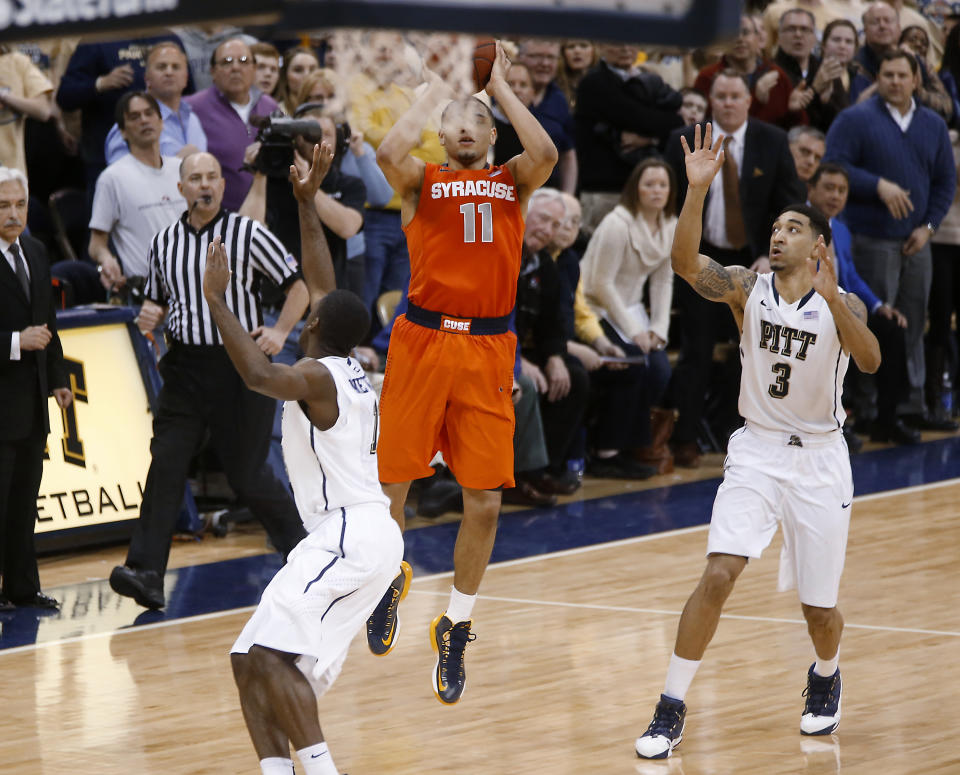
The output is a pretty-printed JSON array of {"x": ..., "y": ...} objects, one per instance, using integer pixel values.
[
  {"x": 292, "y": 648},
  {"x": 449, "y": 374},
  {"x": 789, "y": 463}
]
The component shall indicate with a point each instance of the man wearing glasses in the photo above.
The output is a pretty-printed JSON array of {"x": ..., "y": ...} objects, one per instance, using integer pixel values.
[{"x": 225, "y": 110}]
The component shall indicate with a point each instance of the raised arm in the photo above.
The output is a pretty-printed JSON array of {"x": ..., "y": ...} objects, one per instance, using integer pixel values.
[
  {"x": 315, "y": 262},
  {"x": 532, "y": 167},
  {"x": 729, "y": 284}
]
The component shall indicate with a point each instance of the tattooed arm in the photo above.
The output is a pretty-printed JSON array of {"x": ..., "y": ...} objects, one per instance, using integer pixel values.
[{"x": 728, "y": 284}]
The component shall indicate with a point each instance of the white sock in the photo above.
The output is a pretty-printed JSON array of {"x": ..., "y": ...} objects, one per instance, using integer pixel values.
[
  {"x": 316, "y": 760},
  {"x": 825, "y": 668},
  {"x": 679, "y": 676},
  {"x": 460, "y": 607},
  {"x": 276, "y": 766}
]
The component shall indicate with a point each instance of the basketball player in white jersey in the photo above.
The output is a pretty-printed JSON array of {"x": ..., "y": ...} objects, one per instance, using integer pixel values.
[
  {"x": 789, "y": 463},
  {"x": 293, "y": 647}
]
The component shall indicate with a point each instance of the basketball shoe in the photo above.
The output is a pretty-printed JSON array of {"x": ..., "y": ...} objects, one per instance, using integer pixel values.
[
  {"x": 665, "y": 731},
  {"x": 383, "y": 626},
  {"x": 821, "y": 713},
  {"x": 449, "y": 641}
]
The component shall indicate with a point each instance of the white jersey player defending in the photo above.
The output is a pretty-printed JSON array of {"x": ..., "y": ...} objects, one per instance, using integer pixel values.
[
  {"x": 292, "y": 648},
  {"x": 789, "y": 463}
]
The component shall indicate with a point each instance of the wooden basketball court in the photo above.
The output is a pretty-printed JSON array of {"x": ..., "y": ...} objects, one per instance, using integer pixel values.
[{"x": 570, "y": 658}]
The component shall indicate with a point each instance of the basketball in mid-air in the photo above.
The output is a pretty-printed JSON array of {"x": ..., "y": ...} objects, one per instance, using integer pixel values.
[{"x": 484, "y": 55}]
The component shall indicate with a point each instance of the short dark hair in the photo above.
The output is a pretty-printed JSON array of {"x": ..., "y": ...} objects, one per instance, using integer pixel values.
[
  {"x": 260, "y": 48},
  {"x": 630, "y": 194},
  {"x": 899, "y": 53},
  {"x": 342, "y": 320},
  {"x": 804, "y": 11},
  {"x": 729, "y": 72},
  {"x": 121, "y": 111},
  {"x": 818, "y": 221},
  {"x": 467, "y": 100},
  {"x": 827, "y": 168}
]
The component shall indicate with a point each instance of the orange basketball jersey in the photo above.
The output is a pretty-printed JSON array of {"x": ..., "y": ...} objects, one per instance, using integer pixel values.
[{"x": 465, "y": 241}]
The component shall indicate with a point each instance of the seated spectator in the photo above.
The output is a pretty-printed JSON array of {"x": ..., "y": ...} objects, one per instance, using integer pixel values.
[
  {"x": 693, "y": 110},
  {"x": 931, "y": 91},
  {"x": 577, "y": 57},
  {"x": 827, "y": 190},
  {"x": 550, "y": 107},
  {"x": 96, "y": 78},
  {"x": 266, "y": 59},
  {"x": 560, "y": 379},
  {"x": 296, "y": 65},
  {"x": 322, "y": 86},
  {"x": 835, "y": 74},
  {"x": 200, "y": 41},
  {"x": 773, "y": 98},
  {"x": 166, "y": 78},
  {"x": 24, "y": 92},
  {"x": 823, "y": 12},
  {"x": 136, "y": 197},
  {"x": 623, "y": 115},
  {"x": 807, "y": 146},
  {"x": 508, "y": 143},
  {"x": 225, "y": 110},
  {"x": 628, "y": 255},
  {"x": 950, "y": 67}
]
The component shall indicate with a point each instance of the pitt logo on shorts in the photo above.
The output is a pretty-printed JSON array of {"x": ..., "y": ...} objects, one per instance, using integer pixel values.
[{"x": 455, "y": 325}]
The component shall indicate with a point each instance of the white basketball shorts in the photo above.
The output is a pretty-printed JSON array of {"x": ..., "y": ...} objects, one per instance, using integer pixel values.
[
  {"x": 800, "y": 481},
  {"x": 319, "y": 600}
]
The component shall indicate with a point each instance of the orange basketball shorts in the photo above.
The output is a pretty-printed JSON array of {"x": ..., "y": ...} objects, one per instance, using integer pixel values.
[{"x": 447, "y": 392}]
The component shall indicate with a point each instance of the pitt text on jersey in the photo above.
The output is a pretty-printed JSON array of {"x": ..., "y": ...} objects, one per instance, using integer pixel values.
[
  {"x": 464, "y": 188},
  {"x": 780, "y": 339}
]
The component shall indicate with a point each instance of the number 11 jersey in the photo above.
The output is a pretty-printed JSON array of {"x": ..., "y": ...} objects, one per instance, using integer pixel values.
[
  {"x": 793, "y": 364},
  {"x": 465, "y": 242}
]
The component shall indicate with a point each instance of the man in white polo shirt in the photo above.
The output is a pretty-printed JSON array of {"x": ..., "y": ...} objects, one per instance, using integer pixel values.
[{"x": 136, "y": 196}]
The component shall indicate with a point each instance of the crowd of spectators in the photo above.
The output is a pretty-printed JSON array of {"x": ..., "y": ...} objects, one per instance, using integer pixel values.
[{"x": 851, "y": 105}]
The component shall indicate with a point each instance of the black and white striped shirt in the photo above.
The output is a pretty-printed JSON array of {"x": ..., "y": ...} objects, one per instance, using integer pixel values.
[{"x": 178, "y": 256}]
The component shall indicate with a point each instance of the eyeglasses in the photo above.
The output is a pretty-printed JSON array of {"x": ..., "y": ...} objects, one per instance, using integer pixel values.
[
  {"x": 227, "y": 61},
  {"x": 541, "y": 57},
  {"x": 796, "y": 29}
]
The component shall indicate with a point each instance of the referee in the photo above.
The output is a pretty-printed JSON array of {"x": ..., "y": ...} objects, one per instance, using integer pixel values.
[{"x": 202, "y": 391}]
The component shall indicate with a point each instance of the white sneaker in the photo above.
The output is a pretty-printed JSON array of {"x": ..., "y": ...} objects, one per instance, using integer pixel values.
[
  {"x": 821, "y": 713},
  {"x": 665, "y": 731}
]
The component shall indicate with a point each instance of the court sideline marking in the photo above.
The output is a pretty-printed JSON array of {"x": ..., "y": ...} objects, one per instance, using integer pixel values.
[{"x": 536, "y": 558}]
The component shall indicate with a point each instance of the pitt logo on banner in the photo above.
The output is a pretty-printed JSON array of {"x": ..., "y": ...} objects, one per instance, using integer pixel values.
[{"x": 98, "y": 450}]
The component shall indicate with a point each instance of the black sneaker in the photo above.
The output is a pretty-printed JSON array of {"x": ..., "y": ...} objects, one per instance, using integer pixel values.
[
  {"x": 383, "y": 626},
  {"x": 144, "y": 586},
  {"x": 665, "y": 731},
  {"x": 449, "y": 640},
  {"x": 821, "y": 714}
]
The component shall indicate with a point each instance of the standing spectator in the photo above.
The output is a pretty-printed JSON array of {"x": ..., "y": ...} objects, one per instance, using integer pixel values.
[
  {"x": 166, "y": 78},
  {"x": 807, "y": 146},
  {"x": 201, "y": 389},
  {"x": 773, "y": 98},
  {"x": 266, "y": 60},
  {"x": 200, "y": 41},
  {"x": 136, "y": 196},
  {"x": 836, "y": 73},
  {"x": 577, "y": 56},
  {"x": 628, "y": 255},
  {"x": 96, "y": 78},
  {"x": 902, "y": 180},
  {"x": 693, "y": 110},
  {"x": 759, "y": 180},
  {"x": 31, "y": 369},
  {"x": 550, "y": 108},
  {"x": 225, "y": 110},
  {"x": 297, "y": 63},
  {"x": 623, "y": 115},
  {"x": 24, "y": 92}
]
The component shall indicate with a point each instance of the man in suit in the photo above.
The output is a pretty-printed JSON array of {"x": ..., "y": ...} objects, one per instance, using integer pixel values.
[
  {"x": 759, "y": 179},
  {"x": 31, "y": 363}
]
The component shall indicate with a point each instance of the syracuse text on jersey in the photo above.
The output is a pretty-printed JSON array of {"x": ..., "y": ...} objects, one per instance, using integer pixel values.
[{"x": 462, "y": 188}]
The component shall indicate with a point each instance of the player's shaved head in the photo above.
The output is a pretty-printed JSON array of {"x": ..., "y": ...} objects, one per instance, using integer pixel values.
[
  {"x": 337, "y": 323},
  {"x": 466, "y": 103}
]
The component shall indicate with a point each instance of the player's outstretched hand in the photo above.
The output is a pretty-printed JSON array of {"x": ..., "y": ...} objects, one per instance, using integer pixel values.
[
  {"x": 498, "y": 73},
  {"x": 216, "y": 276},
  {"x": 305, "y": 188},
  {"x": 705, "y": 159},
  {"x": 823, "y": 271}
]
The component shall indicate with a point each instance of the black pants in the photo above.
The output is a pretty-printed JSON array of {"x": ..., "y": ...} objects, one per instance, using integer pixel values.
[
  {"x": 202, "y": 391},
  {"x": 21, "y": 468},
  {"x": 703, "y": 323},
  {"x": 944, "y": 301},
  {"x": 563, "y": 419}
]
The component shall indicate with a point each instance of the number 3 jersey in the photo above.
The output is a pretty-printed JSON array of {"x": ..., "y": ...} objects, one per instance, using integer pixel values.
[
  {"x": 465, "y": 242},
  {"x": 336, "y": 468},
  {"x": 793, "y": 364}
]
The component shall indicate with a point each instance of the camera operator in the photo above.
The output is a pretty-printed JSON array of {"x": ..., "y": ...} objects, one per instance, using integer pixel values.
[{"x": 339, "y": 201}]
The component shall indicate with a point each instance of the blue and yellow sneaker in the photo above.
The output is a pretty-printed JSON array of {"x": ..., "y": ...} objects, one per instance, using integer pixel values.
[
  {"x": 449, "y": 641},
  {"x": 383, "y": 626}
]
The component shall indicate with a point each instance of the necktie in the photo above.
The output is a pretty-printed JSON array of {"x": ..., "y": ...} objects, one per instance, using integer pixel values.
[
  {"x": 20, "y": 269},
  {"x": 733, "y": 214}
]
